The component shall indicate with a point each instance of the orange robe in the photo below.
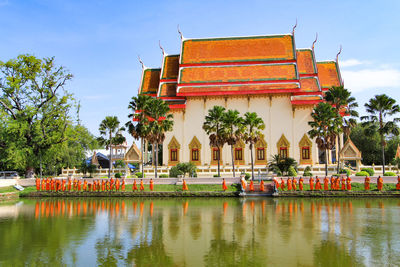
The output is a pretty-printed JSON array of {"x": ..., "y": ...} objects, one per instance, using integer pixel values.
[
  {"x": 79, "y": 185},
  {"x": 326, "y": 184},
  {"x": 289, "y": 184},
  {"x": 151, "y": 184},
  {"x": 69, "y": 184},
  {"x": 294, "y": 184},
  {"x": 262, "y": 186},
  {"x": 282, "y": 184},
  {"x": 343, "y": 183},
  {"x": 43, "y": 184},
  {"x": 301, "y": 181},
  {"x": 380, "y": 183},
  {"x": 333, "y": 184},
  {"x": 276, "y": 183},
  {"x": 85, "y": 185},
  {"x": 318, "y": 185},
  {"x": 37, "y": 184},
  {"x": 366, "y": 183},
  {"x": 63, "y": 185},
  {"x": 134, "y": 186},
  {"x": 337, "y": 183},
  {"x": 224, "y": 187},
  {"x": 348, "y": 183},
  {"x": 52, "y": 184},
  {"x": 103, "y": 185},
  {"x": 251, "y": 186},
  {"x": 398, "y": 183},
  {"x": 117, "y": 184},
  {"x": 311, "y": 183},
  {"x": 108, "y": 186},
  {"x": 141, "y": 186},
  {"x": 184, "y": 186},
  {"x": 243, "y": 183},
  {"x": 47, "y": 184}
]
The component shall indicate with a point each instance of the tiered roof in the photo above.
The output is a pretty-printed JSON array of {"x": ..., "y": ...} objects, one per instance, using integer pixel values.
[{"x": 241, "y": 65}]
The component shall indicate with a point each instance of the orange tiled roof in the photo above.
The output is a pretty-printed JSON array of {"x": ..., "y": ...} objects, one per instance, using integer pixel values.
[
  {"x": 237, "y": 89},
  {"x": 305, "y": 61},
  {"x": 216, "y": 74},
  {"x": 238, "y": 49},
  {"x": 328, "y": 74},
  {"x": 309, "y": 84},
  {"x": 167, "y": 90},
  {"x": 150, "y": 81},
  {"x": 170, "y": 69}
]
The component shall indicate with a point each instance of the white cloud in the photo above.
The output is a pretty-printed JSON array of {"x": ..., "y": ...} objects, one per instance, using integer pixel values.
[
  {"x": 377, "y": 78},
  {"x": 352, "y": 62}
]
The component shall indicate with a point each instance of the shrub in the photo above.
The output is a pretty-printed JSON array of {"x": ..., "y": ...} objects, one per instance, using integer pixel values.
[
  {"x": 307, "y": 169},
  {"x": 389, "y": 174},
  {"x": 369, "y": 170},
  {"x": 163, "y": 175},
  {"x": 362, "y": 173},
  {"x": 307, "y": 174},
  {"x": 346, "y": 171},
  {"x": 292, "y": 171},
  {"x": 140, "y": 175},
  {"x": 118, "y": 175},
  {"x": 216, "y": 175},
  {"x": 247, "y": 176},
  {"x": 174, "y": 172}
]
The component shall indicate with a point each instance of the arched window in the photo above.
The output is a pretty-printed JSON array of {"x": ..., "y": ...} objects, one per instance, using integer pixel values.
[
  {"x": 215, "y": 154},
  {"x": 261, "y": 152},
  {"x": 194, "y": 149},
  {"x": 283, "y": 146},
  {"x": 305, "y": 146},
  {"x": 173, "y": 148},
  {"x": 239, "y": 152}
]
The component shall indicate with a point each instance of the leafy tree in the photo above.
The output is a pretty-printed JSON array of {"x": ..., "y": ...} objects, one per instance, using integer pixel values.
[
  {"x": 380, "y": 107},
  {"x": 281, "y": 163},
  {"x": 186, "y": 168},
  {"x": 252, "y": 134},
  {"x": 34, "y": 110},
  {"x": 344, "y": 105},
  {"x": 119, "y": 164},
  {"x": 324, "y": 127},
  {"x": 213, "y": 126},
  {"x": 160, "y": 123},
  {"x": 139, "y": 107},
  {"x": 110, "y": 135},
  {"x": 233, "y": 129}
]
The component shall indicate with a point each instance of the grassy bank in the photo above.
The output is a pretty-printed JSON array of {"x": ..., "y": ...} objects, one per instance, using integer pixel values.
[{"x": 354, "y": 187}]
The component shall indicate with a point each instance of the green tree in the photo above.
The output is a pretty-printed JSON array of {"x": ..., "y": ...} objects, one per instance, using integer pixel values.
[
  {"x": 213, "y": 126},
  {"x": 110, "y": 135},
  {"x": 281, "y": 163},
  {"x": 233, "y": 129},
  {"x": 34, "y": 110},
  {"x": 160, "y": 123},
  {"x": 380, "y": 108},
  {"x": 252, "y": 134},
  {"x": 324, "y": 127},
  {"x": 139, "y": 111},
  {"x": 344, "y": 105}
]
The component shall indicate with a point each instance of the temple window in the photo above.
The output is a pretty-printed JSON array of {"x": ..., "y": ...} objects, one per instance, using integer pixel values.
[
  {"x": 195, "y": 154},
  {"x": 238, "y": 154},
  {"x": 174, "y": 154},
  {"x": 283, "y": 152},
  {"x": 194, "y": 150},
  {"x": 305, "y": 152},
  {"x": 173, "y": 148},
  {"x": 283, "y": 146},
  {"x": 305, "y": 148},
  {"x": 260, "y": 153}
]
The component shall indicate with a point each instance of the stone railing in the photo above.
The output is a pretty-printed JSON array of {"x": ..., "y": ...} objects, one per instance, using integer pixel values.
[{"x": 99, "y": 172}]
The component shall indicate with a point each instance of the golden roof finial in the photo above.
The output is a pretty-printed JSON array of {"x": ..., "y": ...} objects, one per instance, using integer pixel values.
[
  {"x": 141, "y": 62},
  {"x": 337, "y": 55},
  {"x": 316, "y": 38},
  {"x": 294, "y": 27},
  {"x": 162, "y": 49},
  {"x": 180, "y": 33}
]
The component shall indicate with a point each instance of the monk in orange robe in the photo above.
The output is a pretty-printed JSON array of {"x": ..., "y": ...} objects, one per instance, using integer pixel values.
[
  {"x": 52, "y": 184},
  {"x": 251, "y": 186},
  {"x": 224, "y": 187},
  {"x": 282, "y": 184},
  {"x": 294, "y": 184},
  {"x": 337, "y": 183},
  {"x": 243, "y": 183},
  {"x": 108, "y": 185},
  {"x": 103, "y": 185},
  {"x": 37, "y": 184},
  {"x": 141, "y": 185},
  {"x": 47, "y": 184},
  {"x": 311, "y": 183},
  {"x": 63, "y": 185},
  {"x": 367, "y": 181},
  {"x": 74, "y": 184},
  {"x": 134, "y": 186},
  {"x": 398, "y": 183},
  {"x": 43, "y": 184},
  {"x": 318, "y": 185},
  {"x": 69, "y": 184},
  {"x": 123, "y": 185},
  {"x": 343, "y": 183},
  {"x": 326, "y": 184},
  {"x": 111, "y": 184},
  {"x": 380, "y": 183},
  {"x": 289, "y": 184},
  {"x": 301, "y": 181},
  {"x": 79, "y": 185},
  {"x": 85, "y": 185},
  {"x": 262, "y": 188},
  {"x": 151, "y": 184},
  {"x": 276, "y": 183},
  {"x": 117, "y": 184},
  {"x": 184, "y": 186},
  {"x": 348, "y": 183}
]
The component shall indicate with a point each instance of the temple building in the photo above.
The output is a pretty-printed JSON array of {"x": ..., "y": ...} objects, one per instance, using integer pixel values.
[{"x": 263, "y": 74}]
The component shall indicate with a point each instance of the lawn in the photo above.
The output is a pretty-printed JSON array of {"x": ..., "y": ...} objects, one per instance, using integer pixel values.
[{"x": 354, "y": 187}]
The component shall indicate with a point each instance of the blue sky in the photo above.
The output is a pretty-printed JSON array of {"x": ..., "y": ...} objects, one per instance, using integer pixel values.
[{"x": 99, "y": 40}]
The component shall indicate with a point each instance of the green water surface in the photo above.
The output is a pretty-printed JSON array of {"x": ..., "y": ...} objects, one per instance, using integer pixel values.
[{"x": 200, "y": 232}]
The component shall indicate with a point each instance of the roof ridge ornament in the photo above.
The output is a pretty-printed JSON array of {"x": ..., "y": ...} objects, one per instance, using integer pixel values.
[
  {"x": 180, "y": 33},
  {"x": 141, "y": 62},
  {"x": 162, "y": 49},
  {"x": 316, "y": 38},
  {"x": 294, "y": 27},
  {"x": 337, "y": 55}
]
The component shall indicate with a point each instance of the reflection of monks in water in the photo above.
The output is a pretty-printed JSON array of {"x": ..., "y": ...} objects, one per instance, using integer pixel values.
[
  {"x": 151, "y": 209},
  {"x": 244, "y": 209},
  {"x": 277, "y": 209},
  {"x": 225, "y": 206},
  {"x": 123, "y": 206},
  {"x": 302, "y": 207},
  {"x": 141, "y": 208},
  {"x": 380, "y": 205},
  {"x": 185, "y": 207},
  {"x": 37, "y": 207},
  {"x": 252, "y": 207},
  {"x": 368, "y": 205},
  {"x": 84, "y": 208},
  {"x": 134, "y": 207},
  {"x": 63, "y": 207},
  {"x": 290, "y": 209}
]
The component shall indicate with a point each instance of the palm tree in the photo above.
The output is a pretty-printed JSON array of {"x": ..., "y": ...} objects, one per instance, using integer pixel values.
[
  {"x": 233, "y": 128},
  {"x": 213, "y": 126},
  {"x": 380, "y": 107},
  {"x": 160, "y": 123},
  {"x": 253, "y": 126},
  {"x": 139, "y": 107},
  {"x": 344, "y": 104},
  {"x": 325, "y": 128},
  {"x": 110, "y": 126}
]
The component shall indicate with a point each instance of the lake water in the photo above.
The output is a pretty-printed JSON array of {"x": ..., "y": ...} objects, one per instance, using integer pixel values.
[{"x": 200, "y": 232}]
